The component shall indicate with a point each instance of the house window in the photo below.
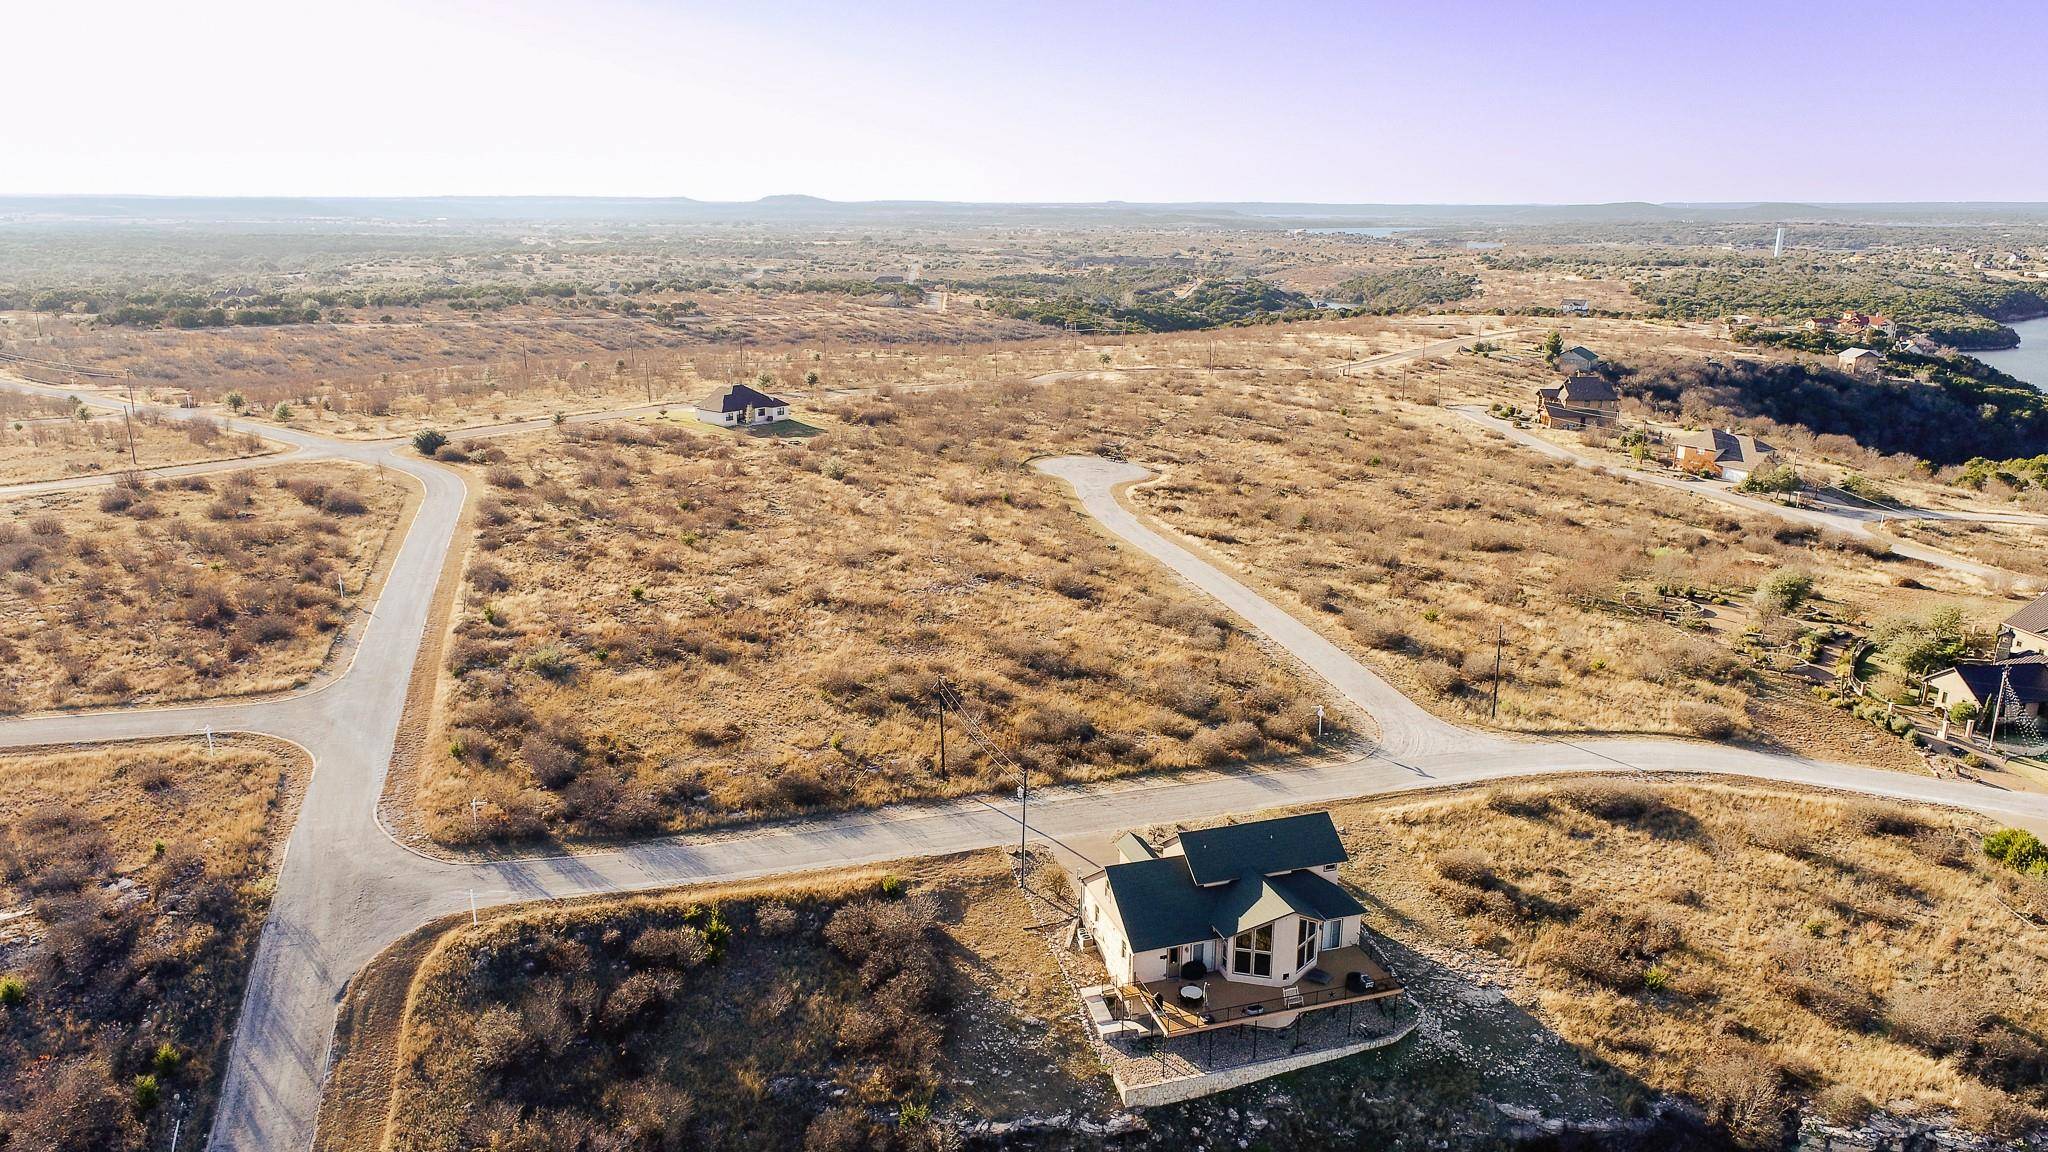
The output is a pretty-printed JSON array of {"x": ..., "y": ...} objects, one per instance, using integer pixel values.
[
  {"x": 1305, "y": 948},
  {"x": 1251, "y": 954},
  {"x": 1333, "y": 933}
]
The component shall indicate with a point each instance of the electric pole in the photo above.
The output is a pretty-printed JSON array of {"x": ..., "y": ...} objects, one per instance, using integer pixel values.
[
  {"x": 1023, "y": 816},
  {"x": 943, "y": 775},
  {"x": 1500, "y": 636},
  {"x": 128, "y": 421}
]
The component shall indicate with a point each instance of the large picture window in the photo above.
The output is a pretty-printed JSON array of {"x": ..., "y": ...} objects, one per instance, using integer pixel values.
[
  {"x": 1251, "y": 954},
  {"x": 1305, "y": 949}
]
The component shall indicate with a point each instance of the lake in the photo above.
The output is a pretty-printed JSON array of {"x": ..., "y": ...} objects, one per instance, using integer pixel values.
[{"x": 2029, "y": 361}]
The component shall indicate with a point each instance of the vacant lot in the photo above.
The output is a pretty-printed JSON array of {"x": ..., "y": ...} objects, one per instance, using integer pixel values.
[
  {"x": 667, "y": 626},
  {"x": 378, "y": 357},
  {"x": 183, "y": 588},
  {"x": 133, "y": 882},
  {"x": 1749, "y": 948},
  {"x": 837, "y": 1012},
  {"x": 1412, "y": 538},
  {"x": 51, "y": 441}
]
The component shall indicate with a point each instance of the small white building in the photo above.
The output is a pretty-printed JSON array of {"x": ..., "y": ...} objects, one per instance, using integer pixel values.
[
  {"x": 1859, "y": 362},
  {"x": 1239, "y": 925},
  {"x": 738, "y": 406},
  {"x": 1575, "y": 308}
]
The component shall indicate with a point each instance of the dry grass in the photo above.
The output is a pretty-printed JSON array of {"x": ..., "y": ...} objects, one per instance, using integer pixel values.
[
  {"x": 185, "y": 588},
  {"x": 669, "y": 626},
  {"x": 1746, "y": 946},
  {"x": 851, "y": 999},
  {"x": 41, "y": 444},
  {"x": 133, "y": 882},
  {"x": 385, "y": 377}
]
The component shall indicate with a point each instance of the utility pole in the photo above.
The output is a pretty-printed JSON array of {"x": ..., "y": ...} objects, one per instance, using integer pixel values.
[
  {"x": 943, "y": 774},
  {"x": 1500, "y": 636},
  {"x": 1023, "y": 816},
  {"x": 128, "y": 421}
]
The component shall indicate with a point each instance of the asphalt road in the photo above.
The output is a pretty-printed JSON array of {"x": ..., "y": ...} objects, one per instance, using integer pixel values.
[{"x": 347, "y": 888}]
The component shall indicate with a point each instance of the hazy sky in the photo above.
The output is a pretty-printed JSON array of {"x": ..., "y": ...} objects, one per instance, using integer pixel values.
[{"x": 1433, "y": 101}]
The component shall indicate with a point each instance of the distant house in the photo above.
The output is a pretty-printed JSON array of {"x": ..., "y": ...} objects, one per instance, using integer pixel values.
[
  {"x": 1576, "y": 359},
  {"x": 1582, "y": 401},
  {"x": 1575, "y": 308},
  {"x": 1859, "y": 362},
  {"x": 739, "y": 406},
  {"x": 1730, "y": 456},
  {"x": 2025, "y": 630},
  {"x": 1820, "y": 324},
  {"x": 1921, "y": 345},
  {"x": 1239, "y": 925}
]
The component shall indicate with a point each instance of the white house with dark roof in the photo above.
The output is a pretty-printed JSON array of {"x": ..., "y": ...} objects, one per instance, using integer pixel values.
[
  {"x": 1239, "y": 925},
  {"x": 739, "y": 406}
]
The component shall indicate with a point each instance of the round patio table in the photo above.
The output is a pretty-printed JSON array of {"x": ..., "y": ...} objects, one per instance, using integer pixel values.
[{"x": 1191, "y": 993}]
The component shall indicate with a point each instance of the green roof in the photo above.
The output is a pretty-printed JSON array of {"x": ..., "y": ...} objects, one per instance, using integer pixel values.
[
  {"x": 1262, "y": 847},
  {"x": 1161, "y": 904}
]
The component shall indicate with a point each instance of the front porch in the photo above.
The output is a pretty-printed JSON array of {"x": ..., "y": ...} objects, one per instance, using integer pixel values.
[{"x": 1348, "y": 975}]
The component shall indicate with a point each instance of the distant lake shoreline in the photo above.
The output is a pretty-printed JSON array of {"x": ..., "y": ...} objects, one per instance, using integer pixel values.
[{"x": 2028, "y": 360}]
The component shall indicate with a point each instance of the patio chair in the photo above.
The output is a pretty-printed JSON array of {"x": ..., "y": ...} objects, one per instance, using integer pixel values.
[{"x": 1291, "y": 996}]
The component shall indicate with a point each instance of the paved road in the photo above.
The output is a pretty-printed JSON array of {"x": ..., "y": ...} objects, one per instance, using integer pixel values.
[
  {"x": 347, "y": 889},
  {"x": 1851, "y": 522}
]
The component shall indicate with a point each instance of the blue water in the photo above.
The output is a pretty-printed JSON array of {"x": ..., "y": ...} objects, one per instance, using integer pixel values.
[{"x": 2029, "y": 361}]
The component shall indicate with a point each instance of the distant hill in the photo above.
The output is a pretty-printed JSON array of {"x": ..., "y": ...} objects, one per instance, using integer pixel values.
[{"x": 122, "y": 209}]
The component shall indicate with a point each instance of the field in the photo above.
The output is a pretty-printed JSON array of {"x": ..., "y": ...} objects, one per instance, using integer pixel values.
[
  {"x": 1745, "y": 947},
  {"x": 756, "y": 625},
  {"x": 904, "y": 996},
  {"x": 133, "y": 881},
  {"x": 668, "y": 626},
  {"x": 176, "y": 589},
  {"x": 46, "y": 440}
]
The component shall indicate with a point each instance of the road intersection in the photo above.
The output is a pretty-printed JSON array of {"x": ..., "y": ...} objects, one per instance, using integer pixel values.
[{"x": 347, "y": 888}]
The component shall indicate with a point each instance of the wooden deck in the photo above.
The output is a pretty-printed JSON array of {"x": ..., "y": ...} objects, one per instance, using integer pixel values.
[{"x": 1228, "y": 1003}]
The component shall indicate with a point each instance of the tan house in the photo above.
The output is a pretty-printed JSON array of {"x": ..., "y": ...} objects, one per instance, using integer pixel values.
[
  {"x": 1243, "y": 925},
  {"x": 1859, "y": 362},
  {"x": 1582, "y": 401},
  {"x": 1727, "y": 455},
  {"x": 1982, "y": 682},
  {"x": 2025, "y": 630}
]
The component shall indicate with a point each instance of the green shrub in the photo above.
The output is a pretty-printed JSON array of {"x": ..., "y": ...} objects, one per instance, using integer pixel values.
[
  {"x": 1962, "y": 712},
  {"x": 893, "y": 887},
  {"x": 1656, "y": 978},
  {"x": 148, "y": 1093},
  {"x": 2017, "y": 848},
  {"x": 427, "y": 441},
  {"x": 166, "y": 1060},
  {"x": 12, "y": 991}
]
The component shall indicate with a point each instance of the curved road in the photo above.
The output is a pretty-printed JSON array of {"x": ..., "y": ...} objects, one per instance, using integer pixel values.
[{"x": 347, "y": 889}]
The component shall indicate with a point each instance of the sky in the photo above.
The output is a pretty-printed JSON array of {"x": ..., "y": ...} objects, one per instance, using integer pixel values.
[{"x": 1446, "y": 101}]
